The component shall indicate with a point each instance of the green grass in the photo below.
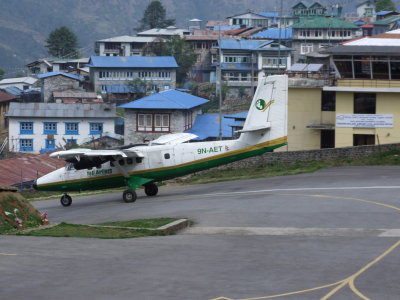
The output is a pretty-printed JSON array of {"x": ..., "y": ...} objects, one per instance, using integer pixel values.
[
  {"x": 42, "y": 195},
  {"x": 142, "y": 223},
  {"x": 281, "y": 169},
  {"x": 85, "y": 231}
]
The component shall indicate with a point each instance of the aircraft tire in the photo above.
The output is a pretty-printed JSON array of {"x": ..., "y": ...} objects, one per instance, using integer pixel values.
[
  {"x": 129, "y": 196},
  {"x": 66, "y": 200},
  {"x": 150, "y": 189}
]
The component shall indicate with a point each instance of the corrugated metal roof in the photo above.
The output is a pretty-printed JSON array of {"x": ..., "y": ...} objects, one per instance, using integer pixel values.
[
  {"x": 27, "y": 80},
  {"x": 13, "y": 90},
  {"x": 170, "y": 99},
  {"x": 384, "y": 13},
  {"x": 323, "y": 22},
  {"x": 27, "y": 167},
  {"x": 273, "y": 33},
  {"x": 242, "y": 44},
  {"x": 50, "y": 74},
  {"x": 5, "y": 97},
  {"x": 130, "y": 39},
  {"x": 207, "y": 126},
  {"x": 387, "y": 21},
  {"x": 74, "y": 94},
  {"x": 305, "y": 67},
  {"x": 345, "y": 49},
  {"x": 61, "y": 110},
  {"x": 133, "y": 62}
]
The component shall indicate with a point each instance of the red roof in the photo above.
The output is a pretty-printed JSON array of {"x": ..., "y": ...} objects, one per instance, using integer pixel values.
[
  {"x": 4, "y": 97},
  {"x": 27, "y": 167}
]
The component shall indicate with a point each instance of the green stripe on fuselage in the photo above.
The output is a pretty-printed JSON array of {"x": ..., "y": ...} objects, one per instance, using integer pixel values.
[{"x": 159, "y": 174}]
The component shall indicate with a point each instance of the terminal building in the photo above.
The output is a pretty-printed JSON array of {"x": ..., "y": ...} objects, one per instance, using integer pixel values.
[{"x": 359, "y": 107}]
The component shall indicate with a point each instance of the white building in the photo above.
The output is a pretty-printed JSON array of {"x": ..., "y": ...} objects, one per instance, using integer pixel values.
[
  {"x": 124, "y": 45},
  {"x": 46, "y": 126},
  {"x": 23, "y": 83}
]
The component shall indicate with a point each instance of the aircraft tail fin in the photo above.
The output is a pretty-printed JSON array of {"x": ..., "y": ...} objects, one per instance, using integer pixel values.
[{"x": 267, "y": 117}]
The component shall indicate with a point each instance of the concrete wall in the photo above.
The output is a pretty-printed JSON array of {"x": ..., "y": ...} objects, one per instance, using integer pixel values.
[{"x": 310, "y": 155}]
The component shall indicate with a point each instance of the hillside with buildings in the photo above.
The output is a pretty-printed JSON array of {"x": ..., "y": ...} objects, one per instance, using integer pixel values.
[{"x": 25, "y": 24}]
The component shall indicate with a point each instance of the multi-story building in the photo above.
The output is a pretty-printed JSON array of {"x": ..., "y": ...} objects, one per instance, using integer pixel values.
[
  {"x": 125, "y": 46},
  {"x": 312, "y": 34},
  {"x": 108, "y": 73},
  {"x": 68, "y": 65},
  {"x": 361, "y": 107},
  {"x": 34, "y": 127},
  {"x": 243, "y": 61}
]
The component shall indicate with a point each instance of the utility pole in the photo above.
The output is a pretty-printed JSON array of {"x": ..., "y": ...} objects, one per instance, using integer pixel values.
[{"x": 219, "y": 83}]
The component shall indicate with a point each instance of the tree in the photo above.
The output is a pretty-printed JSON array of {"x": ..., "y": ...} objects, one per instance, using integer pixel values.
[
  {"x": 62, "y": 42},
  {"x": 2, "y": 73},
  {"x": 155, "y": 17},
  {"x": 183, "y": 53},
  {"x": 385, "y": 5}
]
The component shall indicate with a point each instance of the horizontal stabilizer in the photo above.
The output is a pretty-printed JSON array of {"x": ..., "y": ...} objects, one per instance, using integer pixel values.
[{"x": 256, "y": 128}]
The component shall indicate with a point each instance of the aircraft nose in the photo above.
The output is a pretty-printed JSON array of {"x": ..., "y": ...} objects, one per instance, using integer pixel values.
[{"x": 34, "y": 185}]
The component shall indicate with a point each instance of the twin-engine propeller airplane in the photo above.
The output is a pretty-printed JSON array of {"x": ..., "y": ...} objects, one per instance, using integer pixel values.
[{"x": 170, "y": 156}]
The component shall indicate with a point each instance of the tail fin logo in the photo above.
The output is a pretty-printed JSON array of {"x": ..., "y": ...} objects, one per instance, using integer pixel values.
[{"x": 262, "y": 105}]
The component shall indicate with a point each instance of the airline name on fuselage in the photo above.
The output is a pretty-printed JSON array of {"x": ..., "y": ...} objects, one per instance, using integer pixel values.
[{"x": 99, "y": 172}]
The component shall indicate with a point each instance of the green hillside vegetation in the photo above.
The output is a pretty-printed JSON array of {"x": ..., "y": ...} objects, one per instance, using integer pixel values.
[{"x": 15, "y": 210}]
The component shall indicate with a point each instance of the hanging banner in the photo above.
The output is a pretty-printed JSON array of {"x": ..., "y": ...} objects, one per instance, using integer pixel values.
[{"x": 364, "y": 120}]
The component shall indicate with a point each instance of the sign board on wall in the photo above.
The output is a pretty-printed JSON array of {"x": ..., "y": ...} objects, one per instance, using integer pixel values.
[{"x": 364, "y": 120}]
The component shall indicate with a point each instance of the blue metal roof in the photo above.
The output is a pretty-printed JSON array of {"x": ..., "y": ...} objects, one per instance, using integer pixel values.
[
  {"x": 240, "y": 115},
  {"x": 170, "y": 99},
  {"x": 268, "y": 14},
  {"x": 273, "y": 33},
  {"x": 207, "y": 125},
  {"x": 383, "y": 13},
  {"x": 49, "y": 74},
  {"x": 359, "y": 22},
  {"x": 133, "y": 62},
  {"x": 13, "y": 90},
  {"x": 242, "y": 44}
]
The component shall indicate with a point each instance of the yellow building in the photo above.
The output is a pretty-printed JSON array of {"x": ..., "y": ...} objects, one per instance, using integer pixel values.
[{"x": 362, "y": 107}]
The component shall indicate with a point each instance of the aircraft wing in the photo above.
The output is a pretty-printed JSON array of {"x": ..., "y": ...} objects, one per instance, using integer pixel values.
[
  {"x": 173, "y": 139},
  {"x": 87, "y": 158},
  {"x": 74, "y": 153}
]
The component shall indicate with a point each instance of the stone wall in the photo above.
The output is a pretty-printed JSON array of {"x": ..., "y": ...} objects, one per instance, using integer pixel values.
[{"x": 309, "y": 155}]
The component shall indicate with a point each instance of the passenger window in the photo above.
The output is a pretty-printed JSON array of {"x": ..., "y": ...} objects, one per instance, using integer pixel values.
[
  {"x": 121, "y": 162},
  {"x": 129, "y": 161},
  {"x": 139, "y": 159},
  {"x": 167, "y": 156}
]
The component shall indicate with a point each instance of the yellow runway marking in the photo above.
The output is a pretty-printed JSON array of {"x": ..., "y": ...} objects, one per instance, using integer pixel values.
[
  {"x": 7, "y": 254},
  {"x": 349, "y": 281}
]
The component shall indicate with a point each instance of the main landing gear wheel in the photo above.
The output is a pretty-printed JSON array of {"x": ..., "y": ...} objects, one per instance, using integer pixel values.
[
  {"x": 151, "y": 189},
  {"x": 66, "y": 200},
  {"x": 129, "y": 196}
]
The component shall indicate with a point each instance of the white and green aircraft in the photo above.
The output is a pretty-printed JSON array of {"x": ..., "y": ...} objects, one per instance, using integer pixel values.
[{"x": 172, "y": 155}]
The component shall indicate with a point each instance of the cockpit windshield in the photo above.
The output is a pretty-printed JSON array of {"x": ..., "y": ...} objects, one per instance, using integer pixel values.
[{"x": 69, "y": 167}]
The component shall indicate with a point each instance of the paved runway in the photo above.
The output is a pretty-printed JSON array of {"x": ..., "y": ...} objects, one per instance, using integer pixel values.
[{"x": 333, "y": 234}]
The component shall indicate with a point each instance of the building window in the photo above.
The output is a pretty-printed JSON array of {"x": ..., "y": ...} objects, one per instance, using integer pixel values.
[
  {"x": 72, "y": 128},
  {"x": 50, "y": 144},
  {"x": 26, "y": 145},
  {"x": 364, "y": 103},
  {"x": 327, "y": 139},
  {"x": 306, "y": 48},
  {"x": 328, "y": 101},
  {"x": 26, "y": 128},
  {"x": 49, "y": 128},
  {"x": 96, "y": 128},
  {"x": 188, "y": 120},
  {"x": 153, "y": 123},
  {"x": 363, "y": 139},
  {"x": 161, "y": 122}
]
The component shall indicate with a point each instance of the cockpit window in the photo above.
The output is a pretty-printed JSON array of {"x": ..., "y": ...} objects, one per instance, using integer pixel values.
[{"x": 69, "y": 167}]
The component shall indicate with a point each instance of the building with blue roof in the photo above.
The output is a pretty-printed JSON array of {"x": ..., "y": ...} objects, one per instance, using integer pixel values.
[
  {"x": 109, "y": 73},
  {"x": 206, "y": 126},
  {"x": 283, "y": 34},
  {"x": 165, "y": 112},
  {"x": 243, "y": 61}
]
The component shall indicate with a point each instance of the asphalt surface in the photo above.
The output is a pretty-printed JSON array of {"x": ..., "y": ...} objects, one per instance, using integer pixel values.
[{"x": 333, "y": 234}]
